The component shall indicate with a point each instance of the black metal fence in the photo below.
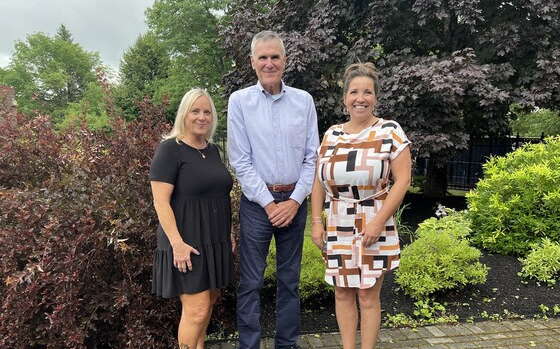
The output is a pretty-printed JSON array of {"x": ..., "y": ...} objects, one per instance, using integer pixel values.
[
  {"x": 222, "y": 145},
  {"x": 465, "y": 169}
]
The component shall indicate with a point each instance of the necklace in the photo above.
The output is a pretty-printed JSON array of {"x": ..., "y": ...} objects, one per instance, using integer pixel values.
[
  {"x": 197, "y": 149},
  {"x": 201, "y": 153}
]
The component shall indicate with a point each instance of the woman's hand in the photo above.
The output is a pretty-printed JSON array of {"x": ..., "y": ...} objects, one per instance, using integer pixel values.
[
  {"x": 372, "y": 232},
  {"x": 182, "y": 256},
  {"x": 318, "y": 235}
]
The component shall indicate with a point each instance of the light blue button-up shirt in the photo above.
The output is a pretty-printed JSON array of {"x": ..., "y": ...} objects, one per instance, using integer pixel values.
[{"x": 272, "y": 140}]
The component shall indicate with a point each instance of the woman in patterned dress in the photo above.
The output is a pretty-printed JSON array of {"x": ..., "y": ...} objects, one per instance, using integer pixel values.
[{"x": 357, "y": 161}]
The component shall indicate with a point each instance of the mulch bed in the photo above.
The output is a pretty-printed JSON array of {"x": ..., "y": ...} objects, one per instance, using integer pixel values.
[
  {"x": 503, "y": 293},
  {"x": 503, "y": 290}
]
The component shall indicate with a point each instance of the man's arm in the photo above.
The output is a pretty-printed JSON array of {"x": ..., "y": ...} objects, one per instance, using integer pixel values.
[
  {"x": 239, "y": 154},
  {"x": 305, "y": 181}
]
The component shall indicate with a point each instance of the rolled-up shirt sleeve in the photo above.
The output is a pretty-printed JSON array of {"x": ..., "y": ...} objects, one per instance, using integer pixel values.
[
  {"x": 305, "y": 181},
  {"x": 239, "y": 153}
]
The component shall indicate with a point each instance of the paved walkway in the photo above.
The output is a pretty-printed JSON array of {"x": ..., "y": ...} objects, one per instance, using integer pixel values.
[{"x": 520, "y": 334}]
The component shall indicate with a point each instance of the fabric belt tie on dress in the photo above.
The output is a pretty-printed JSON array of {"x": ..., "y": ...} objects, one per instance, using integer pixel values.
[
  {"x": 374, "y": 196},
  {"x": 280, "y": 188}
]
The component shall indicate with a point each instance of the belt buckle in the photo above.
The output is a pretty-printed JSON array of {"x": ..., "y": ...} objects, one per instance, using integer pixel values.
[{"x": 276, "y": 188}]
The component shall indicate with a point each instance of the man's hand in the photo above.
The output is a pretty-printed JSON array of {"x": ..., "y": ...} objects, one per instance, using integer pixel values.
[
  {"x": 283, "y": 213},
  {"x": 270, "y": 208}
]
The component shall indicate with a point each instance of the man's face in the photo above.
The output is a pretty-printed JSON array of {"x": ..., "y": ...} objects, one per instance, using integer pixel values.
[{"x": 269, "y": 63}]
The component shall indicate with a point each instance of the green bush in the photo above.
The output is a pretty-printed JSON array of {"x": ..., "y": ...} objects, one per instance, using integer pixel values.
[
  {"x": 517, "y": 202},
  {"x": 312, "y": 279},
  {"x": 536, "y": 123},
  {"x": 440, "y": 258},
  {"x": 543, "y": 262}
]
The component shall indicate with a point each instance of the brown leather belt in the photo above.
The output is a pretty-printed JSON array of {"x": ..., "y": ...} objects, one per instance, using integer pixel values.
[{"x": 279, "y": 188}]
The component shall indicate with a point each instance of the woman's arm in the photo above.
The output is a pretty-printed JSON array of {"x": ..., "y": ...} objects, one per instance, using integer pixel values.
[
  {"x": 317, "y": 202},
  {"x": 161, "y": 193},
  {"x": 400, "y": 170}
]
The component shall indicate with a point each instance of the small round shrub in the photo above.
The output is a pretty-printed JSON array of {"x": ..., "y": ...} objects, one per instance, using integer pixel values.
[
  {"x": 440, "y": 258},
  {"x": 517, "y": 202},
  {"x": 543, "y": 262}
]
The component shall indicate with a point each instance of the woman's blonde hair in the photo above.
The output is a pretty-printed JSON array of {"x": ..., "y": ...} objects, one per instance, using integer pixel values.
[
  {"x": 178, "y": 131},
  {"x": 358, "y": 70}
]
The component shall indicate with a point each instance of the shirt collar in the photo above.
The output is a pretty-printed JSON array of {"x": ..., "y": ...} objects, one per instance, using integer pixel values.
[{"x": 261, "y": 88}]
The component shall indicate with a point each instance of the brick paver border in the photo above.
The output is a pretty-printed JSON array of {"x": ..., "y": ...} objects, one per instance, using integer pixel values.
[{"x": 519, "y": 334}]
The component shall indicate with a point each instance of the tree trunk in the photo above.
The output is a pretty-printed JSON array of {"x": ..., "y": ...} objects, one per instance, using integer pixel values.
[{"x": 436, "y": 179}]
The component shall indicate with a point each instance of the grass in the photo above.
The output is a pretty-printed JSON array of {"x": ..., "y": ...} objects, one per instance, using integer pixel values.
[{"x": 307, "y": 231}]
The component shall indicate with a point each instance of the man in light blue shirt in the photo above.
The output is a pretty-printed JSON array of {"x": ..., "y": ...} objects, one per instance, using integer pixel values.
[{"x": 272, "y": 143}]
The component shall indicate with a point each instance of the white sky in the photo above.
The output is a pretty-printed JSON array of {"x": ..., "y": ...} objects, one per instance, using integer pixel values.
[{"x": 105, "y": 26}]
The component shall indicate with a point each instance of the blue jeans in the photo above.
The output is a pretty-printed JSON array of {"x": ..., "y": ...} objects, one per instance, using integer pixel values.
[{"x": 255, "y": 235}]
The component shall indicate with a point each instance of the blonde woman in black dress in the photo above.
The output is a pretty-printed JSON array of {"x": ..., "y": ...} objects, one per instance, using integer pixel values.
[{"x": 191, "y": 187}]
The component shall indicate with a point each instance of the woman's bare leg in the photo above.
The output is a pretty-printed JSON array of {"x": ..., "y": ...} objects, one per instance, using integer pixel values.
[
  {"x": 346, "y": 315},
  {"x": 370, "y": 314},
  {"x": 196, "y": 309},
  {"x": 214, "y": 294}
]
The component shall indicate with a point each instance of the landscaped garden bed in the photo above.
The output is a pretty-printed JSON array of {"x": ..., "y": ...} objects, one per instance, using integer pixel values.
[
  {"x": 504, "y": 295},
  {"x": 509, "y": 272}
]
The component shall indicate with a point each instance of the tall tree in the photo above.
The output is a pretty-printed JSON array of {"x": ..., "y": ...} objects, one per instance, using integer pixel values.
[
  {"x": 189, "y": 31},
  {"x": 50, "y": 72},
  {"x": 449, "y": 68},
  {"x": 64, "y": 34},
  {"x": 144, "y": 67},
  {"x": 519, "y": 37}
]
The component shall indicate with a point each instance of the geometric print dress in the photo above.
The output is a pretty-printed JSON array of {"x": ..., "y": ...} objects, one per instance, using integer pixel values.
[{"x": 354, "y": 170}]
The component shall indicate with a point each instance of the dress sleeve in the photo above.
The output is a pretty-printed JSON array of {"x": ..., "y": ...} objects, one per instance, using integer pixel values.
[
  {"x": 165, "y": 164},
  {"x": 399, "y": 141}
]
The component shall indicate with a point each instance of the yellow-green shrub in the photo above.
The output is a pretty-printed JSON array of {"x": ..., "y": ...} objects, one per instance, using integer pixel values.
[
  {"x": 440, "y": 258},
  {"x": 518, "y": 200},
  {"x": 543, "y": 262}
]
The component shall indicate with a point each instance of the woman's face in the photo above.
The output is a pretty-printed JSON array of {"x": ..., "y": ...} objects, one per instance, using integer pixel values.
[
  {"x": 360, "y": 98},
  {"x": 199, "y": 118}
]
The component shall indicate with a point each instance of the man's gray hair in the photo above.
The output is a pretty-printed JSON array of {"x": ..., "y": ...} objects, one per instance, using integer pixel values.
[{"x": 267, "y": 35}]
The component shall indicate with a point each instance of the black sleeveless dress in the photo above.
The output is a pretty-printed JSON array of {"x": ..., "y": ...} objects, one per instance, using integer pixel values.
[{"x": 201, "y": 204}]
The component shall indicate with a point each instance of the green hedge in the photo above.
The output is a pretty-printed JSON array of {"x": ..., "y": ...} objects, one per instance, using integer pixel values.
[
  {"x": 440, "y": 258},
  {"x": 517, "y": 202}
]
